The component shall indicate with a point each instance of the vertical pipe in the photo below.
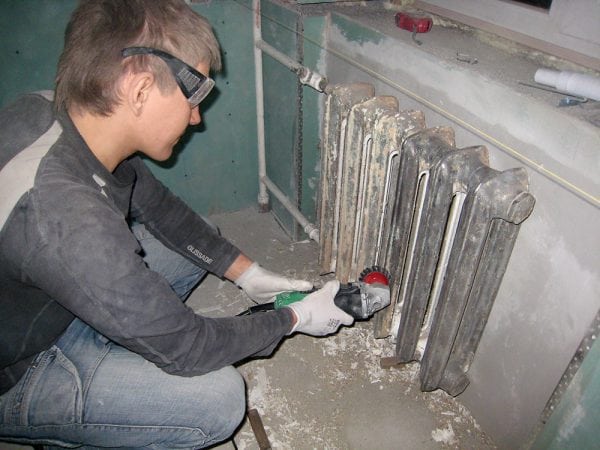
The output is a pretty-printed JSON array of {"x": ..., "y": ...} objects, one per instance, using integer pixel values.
[{"x": 263, "y": 196}]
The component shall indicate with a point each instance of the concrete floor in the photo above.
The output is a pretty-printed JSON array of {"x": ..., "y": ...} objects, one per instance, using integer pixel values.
[{"x": 328, "y": 393}]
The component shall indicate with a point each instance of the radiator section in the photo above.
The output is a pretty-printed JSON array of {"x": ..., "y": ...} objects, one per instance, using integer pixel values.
[
  {"x": 339, "y": 102},
  {"x": 419, "y": 153},
  {"x": 495, "y": 205},
  {"x": 397, "y": 194},
  {"x": 379, "y": 176},
  {"x": 356, "y": 172}
]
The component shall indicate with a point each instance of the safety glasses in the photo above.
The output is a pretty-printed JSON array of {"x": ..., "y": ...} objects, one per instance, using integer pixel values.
[{"x": 193, "y": 84}]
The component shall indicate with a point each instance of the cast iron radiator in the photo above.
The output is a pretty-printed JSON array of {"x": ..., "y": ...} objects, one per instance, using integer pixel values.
[{"x": 397, "y": 194}]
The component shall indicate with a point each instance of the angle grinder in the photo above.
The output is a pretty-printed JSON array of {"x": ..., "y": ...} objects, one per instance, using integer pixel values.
[{"x": 360, "y": 299}]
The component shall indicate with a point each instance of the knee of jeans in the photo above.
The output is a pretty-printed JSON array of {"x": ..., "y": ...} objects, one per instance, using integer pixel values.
[{"x": 231, "y": 404}]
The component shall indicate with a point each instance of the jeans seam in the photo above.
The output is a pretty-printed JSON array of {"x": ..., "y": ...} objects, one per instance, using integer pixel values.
[
  {"x": 116, "y": 426},
  {"x": 89, "y": 377},
  {"x": 22, "y": 398},
  {"x": 70, "y": 368},
  {"x": 207, "y": 439}
]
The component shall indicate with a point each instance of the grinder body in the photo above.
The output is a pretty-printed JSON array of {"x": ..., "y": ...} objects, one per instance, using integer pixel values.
[{"x": 360, "y": 299}]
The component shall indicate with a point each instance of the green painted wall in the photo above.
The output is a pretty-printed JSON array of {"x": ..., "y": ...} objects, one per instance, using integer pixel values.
[
  {"x": 215, "y": 169},
  {"x": 314, "y": 29},
  {"x": 575, "y": 423},
  {"x": 282, "y": 126},
  {"x": 31, "y": 32}
]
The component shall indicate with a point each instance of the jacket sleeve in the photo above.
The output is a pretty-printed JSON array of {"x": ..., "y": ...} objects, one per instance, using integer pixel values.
[
  {"x": 176, "y": 225},
  {"x": 86, "y": 259}
]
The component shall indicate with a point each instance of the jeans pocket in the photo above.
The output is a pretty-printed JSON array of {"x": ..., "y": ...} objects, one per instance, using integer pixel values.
[{"x": 53, "y": 395}]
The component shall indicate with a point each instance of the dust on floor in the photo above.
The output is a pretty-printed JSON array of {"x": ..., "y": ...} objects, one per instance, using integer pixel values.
[{"x": 329, "y": 393}]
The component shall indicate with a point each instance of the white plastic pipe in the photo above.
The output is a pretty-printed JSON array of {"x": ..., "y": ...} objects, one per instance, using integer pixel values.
[
  {"x": 278, "y": 56},
  {"x": 263, "y": 195},
  {"x": 309, "y": 228},
  {"x": 574, "y": 83},
  {"x": 305, "y": 75}
]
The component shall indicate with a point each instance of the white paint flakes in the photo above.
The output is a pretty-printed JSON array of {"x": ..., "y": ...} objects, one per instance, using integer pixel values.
[{"x": 444, "y": 435}]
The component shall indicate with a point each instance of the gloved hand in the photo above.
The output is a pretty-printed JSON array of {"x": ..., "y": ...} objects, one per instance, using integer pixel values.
[
  {"x": 262, "y": 285},
  {"x": 317, "y": 314}
]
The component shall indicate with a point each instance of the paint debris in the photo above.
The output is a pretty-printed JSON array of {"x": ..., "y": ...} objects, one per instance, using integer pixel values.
[
  {"x": 315, "y": 392},
  {"x": 444, "y": 435}
]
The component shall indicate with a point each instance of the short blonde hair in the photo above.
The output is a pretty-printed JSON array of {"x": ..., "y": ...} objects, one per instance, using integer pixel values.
[{"x": 91, "y": 63}]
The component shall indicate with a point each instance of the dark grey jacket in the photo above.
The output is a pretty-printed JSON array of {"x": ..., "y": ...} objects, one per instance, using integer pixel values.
[{"x": 66, "y": 251}]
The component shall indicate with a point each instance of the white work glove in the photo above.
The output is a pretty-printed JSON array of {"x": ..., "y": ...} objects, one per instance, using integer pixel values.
[
  {"x": 262, "y": 285},
  {"x": 317, "y": 314}
]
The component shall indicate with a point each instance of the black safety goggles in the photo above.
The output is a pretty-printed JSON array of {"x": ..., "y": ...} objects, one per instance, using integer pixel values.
[{"x": 193, "y": 84}]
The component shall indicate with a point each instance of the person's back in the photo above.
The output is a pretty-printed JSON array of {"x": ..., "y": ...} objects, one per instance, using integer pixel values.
[{"x": 28, "y": 128}]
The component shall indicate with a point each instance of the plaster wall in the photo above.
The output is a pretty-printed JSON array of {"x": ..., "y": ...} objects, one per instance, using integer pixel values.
[{"x": 551, "y": 290}]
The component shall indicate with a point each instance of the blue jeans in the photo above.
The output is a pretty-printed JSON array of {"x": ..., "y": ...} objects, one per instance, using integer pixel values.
[{"x": 88, "y": 390}]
